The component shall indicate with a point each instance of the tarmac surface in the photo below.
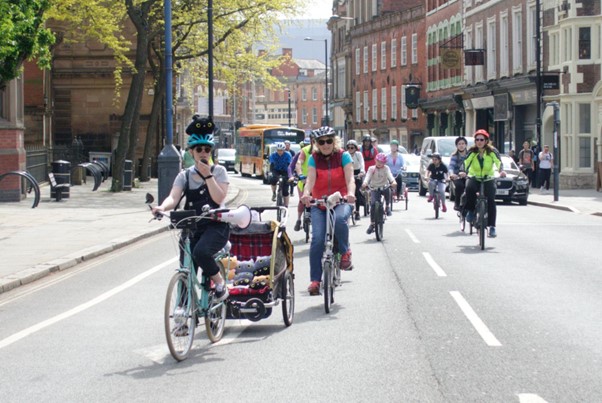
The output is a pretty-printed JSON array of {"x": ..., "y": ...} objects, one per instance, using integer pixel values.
[{"x": 58, "y": 235}]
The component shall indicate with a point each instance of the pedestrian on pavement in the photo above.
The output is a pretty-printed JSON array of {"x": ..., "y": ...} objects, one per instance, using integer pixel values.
[
  {"x": 525, "y": 161},
  {"x": 546, "y": 159},
  {"x": 202, "y": 184}
]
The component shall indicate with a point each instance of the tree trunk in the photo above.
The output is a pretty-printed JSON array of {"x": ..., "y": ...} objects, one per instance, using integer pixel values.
[
  {"x": 153, "y": 127},
  {"x": 140, "y": 18}
]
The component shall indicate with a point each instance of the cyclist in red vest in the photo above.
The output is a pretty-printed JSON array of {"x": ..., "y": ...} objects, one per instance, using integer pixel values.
[
  {"x": 368, "y": 152},
  {"x": 330, "y": 170}
]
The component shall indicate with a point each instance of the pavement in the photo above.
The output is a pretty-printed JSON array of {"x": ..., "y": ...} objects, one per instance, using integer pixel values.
[{"x": 56, "y": 236}]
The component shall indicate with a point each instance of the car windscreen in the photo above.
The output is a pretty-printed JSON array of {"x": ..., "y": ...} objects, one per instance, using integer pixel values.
[
  {"x": 226, "y": 152},
  {"x": 446, "y": 146}
]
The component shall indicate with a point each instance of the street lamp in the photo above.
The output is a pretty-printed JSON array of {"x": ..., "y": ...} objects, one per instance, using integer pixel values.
[{"x": 326, "y": 118}]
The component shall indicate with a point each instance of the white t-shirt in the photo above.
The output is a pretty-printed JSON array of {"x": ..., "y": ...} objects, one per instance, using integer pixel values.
[{"x": 545, "y": 160}]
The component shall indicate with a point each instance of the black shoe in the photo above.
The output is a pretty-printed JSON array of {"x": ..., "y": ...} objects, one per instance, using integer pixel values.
[
  {"x": 370, "y": 229},
  {"x": 298, "y": 225},
  {"x": 221, "y": 295},
  {"x": 357, "y": 216},
  {"x": 274, "y": 197},
  {"x": 389, "y": 213}
]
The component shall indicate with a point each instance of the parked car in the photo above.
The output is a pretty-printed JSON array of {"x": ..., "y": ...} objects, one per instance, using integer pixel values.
[
  {"x": 411, "y": 174},
  {"x": 227, "y": 158},
  {"x": 515, "y": 186},
  {"x": 269, "y": 149},
  {"x": 444, "y": 145}
]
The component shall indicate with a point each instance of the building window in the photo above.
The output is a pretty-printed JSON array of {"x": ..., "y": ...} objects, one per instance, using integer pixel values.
[
  {"x": 393, "y": 52},
  {"x": 374, "y": 56},
  {"x": 365, "y": 59},
  {"x": 366, "y": 107},
  {"x": 314, "y": 116},
  {"x": 374, "y": 104},
  {"x": 383, "y": 55},
  {"x": 478, "y": 43},
  {"x": 404, "y": 109},
  {"x": 584, "y": 43},
  {"x": 358, "y": 107},
  {"x": 314, "y": 94},
  {"x": 357, "y": 62},
  {"x": 491, "y": 50},
  {"x": 517, "y": 42},
  {"x": 585, "y": 152},
  {"x": 414, "y": 48},
  {"x": 394, "y": 102},
  {"x": 304, "y": 94},
  {"x": 404, "y": 51},
  {"x": 304, "y": 116},
  {"x": 531, "y": 36},
  {"x": 504, "y": 55},
  {"x": 383, "y": 104},
  {"x": 585, "y": 119}
]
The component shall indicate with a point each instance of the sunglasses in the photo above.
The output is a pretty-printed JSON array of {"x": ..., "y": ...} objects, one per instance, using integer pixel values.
[
  {"x": 351, "y": 147},
  {"x": 480, "y": 139},
  {"x": 327, "y": 141},
  {"x": 199, "y": 149}
]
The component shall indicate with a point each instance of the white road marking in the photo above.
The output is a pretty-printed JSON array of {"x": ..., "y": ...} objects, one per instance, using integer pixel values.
[
  {"x": 80, "y": 308},
  {"x": 412, "y": 236},
  {"x": 530, "y": 398},
  {"x": 429, "y": 259},
  {"x": 474, "y": 319}
]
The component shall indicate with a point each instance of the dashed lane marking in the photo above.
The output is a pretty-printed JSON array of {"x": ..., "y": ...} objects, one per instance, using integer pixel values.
[
  {"x": 530, "y": 398},
  {"x": 412, "y": 236},
  {"x": 474, "y": 319},
  {"x": 438, "y": 270}
]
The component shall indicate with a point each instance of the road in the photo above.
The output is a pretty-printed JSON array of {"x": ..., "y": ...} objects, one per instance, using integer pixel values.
[{"x": 425, "y": 316}]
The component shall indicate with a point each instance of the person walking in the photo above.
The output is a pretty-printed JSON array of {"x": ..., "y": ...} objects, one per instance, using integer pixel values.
[
  {"x": 546, "y": 159},
  {"x": 525, "y": 161}
]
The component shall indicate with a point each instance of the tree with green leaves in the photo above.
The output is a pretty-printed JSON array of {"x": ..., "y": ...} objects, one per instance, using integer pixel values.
[{"x": 23, "y": 36}]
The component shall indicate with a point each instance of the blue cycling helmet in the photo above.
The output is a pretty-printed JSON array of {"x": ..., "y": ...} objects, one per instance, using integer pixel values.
[
  {"x": 200, "y": 131},
  {"x": 324, "y": 131}
]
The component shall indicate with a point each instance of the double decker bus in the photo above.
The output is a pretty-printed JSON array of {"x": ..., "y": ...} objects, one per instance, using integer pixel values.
[{"x": 255, "y": 142}]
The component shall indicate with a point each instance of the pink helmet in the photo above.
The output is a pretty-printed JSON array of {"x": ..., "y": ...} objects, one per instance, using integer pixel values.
[{"x": 381, "y": 157}]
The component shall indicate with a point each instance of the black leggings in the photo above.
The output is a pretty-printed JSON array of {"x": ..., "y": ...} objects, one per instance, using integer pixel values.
[
  {"x": 472, "y": 187},
  {"x": 459, "y": 186},
  {"x": 206, "y": 242}
]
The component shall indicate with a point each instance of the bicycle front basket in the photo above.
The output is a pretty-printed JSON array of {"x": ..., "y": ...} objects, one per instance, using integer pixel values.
[{"x": 183, "y": 219}]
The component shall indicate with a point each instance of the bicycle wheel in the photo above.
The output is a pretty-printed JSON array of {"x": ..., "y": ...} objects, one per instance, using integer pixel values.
[
  {"x": 353, "y": 217},
  {"x": 378, "y": 220},
  {"x": 482, "y": 224},
  {"x": 462, "y": 221},
  {"x": 287, "y": 289},
  {"x": 215, "y": 316},
  {"x": 436, "y": 205},
  {"x": 405, "y": 195},
  {"x": 306, "y": 225},
  {"x": 179, "y": 317},
  {"x": 327, "y": 284}
]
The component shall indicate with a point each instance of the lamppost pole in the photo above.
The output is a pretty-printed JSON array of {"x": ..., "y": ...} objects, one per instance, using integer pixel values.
[
  {"x": 210, "y": 55},
  {"x": 169, "y": 160},
  {"x": 326, "y": 117}
]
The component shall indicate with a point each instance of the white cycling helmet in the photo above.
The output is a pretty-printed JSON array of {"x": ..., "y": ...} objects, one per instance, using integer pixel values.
[{"x": 280, "y": 146}]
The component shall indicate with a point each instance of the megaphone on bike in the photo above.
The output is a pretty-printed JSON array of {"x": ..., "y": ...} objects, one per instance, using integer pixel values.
[{"x": 240, "y": 216}]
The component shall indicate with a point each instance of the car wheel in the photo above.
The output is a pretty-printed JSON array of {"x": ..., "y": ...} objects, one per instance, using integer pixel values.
[{"x": 523, "y": 201}]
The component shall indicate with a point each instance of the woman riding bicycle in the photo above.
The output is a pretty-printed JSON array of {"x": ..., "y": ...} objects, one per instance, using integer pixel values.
[
  {"x": 456, "y": 165},
  {"x": 479, "y": 167},
  {"x": 379, "y": 176},
  {"x": 358, "y": 174},
  {"x": 330, "y": 170},
  {"x": 436, "y": 173},
  {"x": 395, "y": 163},
  {"x": 202, "y": 184}
]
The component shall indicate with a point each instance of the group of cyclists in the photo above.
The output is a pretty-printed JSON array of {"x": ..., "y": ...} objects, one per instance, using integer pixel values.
[{"x": 324, "y": 166}]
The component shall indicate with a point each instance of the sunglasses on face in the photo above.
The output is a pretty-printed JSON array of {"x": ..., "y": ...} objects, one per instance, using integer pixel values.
[
  {"x": 200, "y": 149},
  {"x": 351, "y": 147},
  {"x": 479, "y": 139},
  {"x": 327, "y": 141}
]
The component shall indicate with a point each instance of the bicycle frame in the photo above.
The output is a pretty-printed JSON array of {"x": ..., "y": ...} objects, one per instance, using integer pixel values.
[
  {"x": 437, "y": 196},
  {"x": 378, "y": 216}
]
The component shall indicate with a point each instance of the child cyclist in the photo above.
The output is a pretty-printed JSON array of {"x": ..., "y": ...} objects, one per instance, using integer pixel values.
[
  {"x": 379, "y": 175},
  {"x": 437, "y": 170}
]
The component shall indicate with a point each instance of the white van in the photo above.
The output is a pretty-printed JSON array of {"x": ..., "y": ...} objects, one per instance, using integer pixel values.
[{"x": 444, "y": 145}]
